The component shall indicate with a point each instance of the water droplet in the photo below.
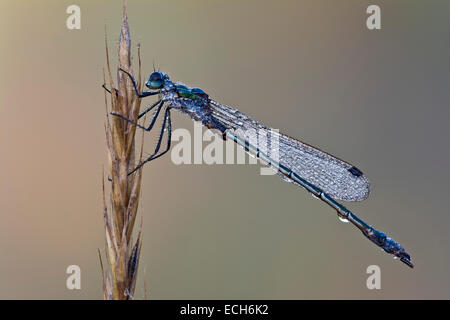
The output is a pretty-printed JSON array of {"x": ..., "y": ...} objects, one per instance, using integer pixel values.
[
  {"x": 314, "y": 196},
  {"x": 342, "y": 219},
  {"x": 395, "y": 257}
]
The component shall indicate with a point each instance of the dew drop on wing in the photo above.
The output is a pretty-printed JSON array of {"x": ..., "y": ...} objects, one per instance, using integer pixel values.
[{"x": 342, "y": 219}]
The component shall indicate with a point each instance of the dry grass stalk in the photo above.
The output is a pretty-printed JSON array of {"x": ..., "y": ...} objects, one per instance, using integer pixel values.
[{"x": 122, "y": 254}]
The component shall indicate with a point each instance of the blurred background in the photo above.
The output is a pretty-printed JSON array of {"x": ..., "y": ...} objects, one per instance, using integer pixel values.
[{"x": 378, "y": 99}]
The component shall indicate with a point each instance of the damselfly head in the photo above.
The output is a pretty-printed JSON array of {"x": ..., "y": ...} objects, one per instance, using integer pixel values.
[{"x": 155, "y": 81}]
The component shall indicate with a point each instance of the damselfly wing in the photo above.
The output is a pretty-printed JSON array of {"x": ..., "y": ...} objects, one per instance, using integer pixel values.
[{"x": 337, "y": 178}]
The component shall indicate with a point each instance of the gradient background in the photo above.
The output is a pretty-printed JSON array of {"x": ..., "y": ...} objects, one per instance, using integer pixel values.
[{"x": 378, "y": 99}]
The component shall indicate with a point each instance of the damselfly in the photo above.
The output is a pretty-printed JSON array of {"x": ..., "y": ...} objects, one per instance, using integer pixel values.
[{"x": 323, "y": 175}]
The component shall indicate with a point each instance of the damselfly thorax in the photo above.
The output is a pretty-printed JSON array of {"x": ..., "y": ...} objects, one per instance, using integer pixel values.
[{"x": 191, "y": 101}]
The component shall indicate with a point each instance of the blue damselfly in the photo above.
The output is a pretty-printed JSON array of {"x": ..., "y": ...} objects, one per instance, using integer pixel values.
[{"x": 323, "y": 175}]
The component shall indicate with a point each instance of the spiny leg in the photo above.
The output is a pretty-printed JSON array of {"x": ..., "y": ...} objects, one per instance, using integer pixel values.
[
  {"x": 149, "y": 108},
  {"x": 139, "y": 126},
  {"x": 155, "y": 154},
  {"x": 152, "y": 123},
  {"x": 169, "y": 136},
  {"x": 143, "y": 94},
  {"x": 107, "y": 90}
]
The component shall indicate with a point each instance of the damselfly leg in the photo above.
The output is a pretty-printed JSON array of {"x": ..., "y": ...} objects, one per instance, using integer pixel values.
[
  {"x": 109, "y": 91},
  {"x": 152, "y": 123},
  {"x": 143, "y": 94},
  {"x": 155, "y": 155},
  {"x": 167, "y": 121},
  {"x": 150, "y": 108}
]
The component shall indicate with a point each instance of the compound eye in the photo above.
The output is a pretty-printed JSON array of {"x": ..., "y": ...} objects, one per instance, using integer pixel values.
[{"x": 155, "y": 81}]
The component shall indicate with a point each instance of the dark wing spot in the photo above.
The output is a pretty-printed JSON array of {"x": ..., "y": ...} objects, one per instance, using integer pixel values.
[{"x": 355, "y": 171}]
